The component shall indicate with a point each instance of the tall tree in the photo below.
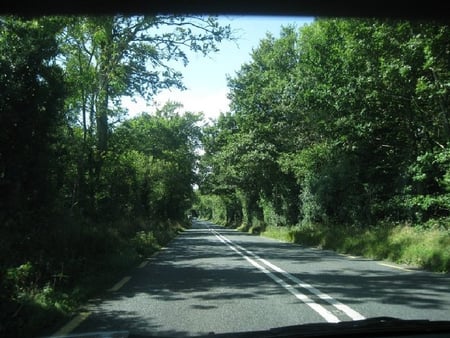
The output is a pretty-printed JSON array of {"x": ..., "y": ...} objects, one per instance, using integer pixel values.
[
  {"x": 116, "y": 56},
  {"x": 262, "y": 121},
  {"x": 31, "y": 102},
  {"x": 157, "y": 153},
  {"x": 347, "y": 107},
  {"x": 109, "y": 57},
  {"x": 31, "y": 114}
]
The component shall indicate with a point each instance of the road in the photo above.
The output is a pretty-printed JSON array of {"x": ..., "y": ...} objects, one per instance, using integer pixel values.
[{"x": 213, "y": 279}]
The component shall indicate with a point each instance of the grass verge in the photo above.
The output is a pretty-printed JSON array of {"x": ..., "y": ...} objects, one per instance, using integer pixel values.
[{"x": 415, "y": 246}]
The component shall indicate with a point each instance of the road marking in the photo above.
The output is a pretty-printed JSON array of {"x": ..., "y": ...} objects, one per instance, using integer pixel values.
[
  {"x": 143, "y": 264},
  {"x": 335, "y": 303},
  {"x": 119, "y": 284},
  {"x": 395, "y": 267},
  {"x": 330, "y": 300},
  {"x": 327, "y": 315},
  {"x": 70, "y": 326}
]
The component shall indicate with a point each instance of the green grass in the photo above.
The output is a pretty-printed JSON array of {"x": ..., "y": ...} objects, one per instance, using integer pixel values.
[
  {"x": 281, "y": 233},
  {"x": 404, "y": 244}
]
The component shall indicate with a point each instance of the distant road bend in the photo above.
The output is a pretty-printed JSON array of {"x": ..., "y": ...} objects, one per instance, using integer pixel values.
[{"x": 213, "y": 279}]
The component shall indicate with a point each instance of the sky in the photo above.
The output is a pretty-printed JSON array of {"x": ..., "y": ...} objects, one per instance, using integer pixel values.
[{"x": 206, "y": 77}]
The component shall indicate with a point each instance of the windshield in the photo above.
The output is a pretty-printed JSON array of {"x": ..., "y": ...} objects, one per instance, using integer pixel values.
[{"x": 187, "y": 174}]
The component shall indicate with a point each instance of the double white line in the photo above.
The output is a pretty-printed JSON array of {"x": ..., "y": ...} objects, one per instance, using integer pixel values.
[{"x": 292, "y": 288}]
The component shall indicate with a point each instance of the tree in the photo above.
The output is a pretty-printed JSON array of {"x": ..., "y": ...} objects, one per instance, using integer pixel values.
[
  {"x": 31, "y": 115},
  {"x": 332, "y": 119},
  {"x": 109, "y": 57},
  {"x": 31, "y": 102},
  {"x": 258, "y": 131},
  {"x": 157, "y": 156}
]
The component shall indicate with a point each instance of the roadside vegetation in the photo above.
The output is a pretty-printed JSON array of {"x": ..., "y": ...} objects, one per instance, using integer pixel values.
[
  {"x": 339, "y": 137},
  {"x": 39, "y": 308},
  {"x": 86, "y": 191},
  {"x": 405, "y": 244}
]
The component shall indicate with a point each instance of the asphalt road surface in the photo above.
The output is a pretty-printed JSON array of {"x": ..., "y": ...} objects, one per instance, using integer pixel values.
[{"x": 213, "y": 279}]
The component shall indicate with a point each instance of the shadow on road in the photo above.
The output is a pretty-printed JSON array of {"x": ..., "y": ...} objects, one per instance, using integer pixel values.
[
  {"x": 199, "y": 273},
  {"x": 358, "y": 280}
]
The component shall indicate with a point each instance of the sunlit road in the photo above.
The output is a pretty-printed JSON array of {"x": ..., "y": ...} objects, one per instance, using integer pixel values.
[{"x": 212, "y": 279}]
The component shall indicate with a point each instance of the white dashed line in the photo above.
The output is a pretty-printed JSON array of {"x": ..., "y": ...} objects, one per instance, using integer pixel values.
[
  {"x": 143, "y": 264},
  {"x": 119, "y": 284},
  {"x": 70, "y": 326}
]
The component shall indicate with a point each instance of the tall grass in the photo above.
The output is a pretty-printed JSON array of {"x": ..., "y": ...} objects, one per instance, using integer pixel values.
[{"x": 416, "y": 246}]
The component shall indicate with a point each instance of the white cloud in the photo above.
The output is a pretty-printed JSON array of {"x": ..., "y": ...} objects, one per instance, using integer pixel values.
[
  {"x": 210, "y": 103},
  {"x": 137, "y": 106}
]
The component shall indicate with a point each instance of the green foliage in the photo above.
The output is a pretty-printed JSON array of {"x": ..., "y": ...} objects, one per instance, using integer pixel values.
[
  {"x": 427, "y": 194},
  {"x": 243, "y": 148},
  {"x": 225, "y": 210},
  {"x": 84, "y": 192},
  {"x": 19, "y": 279},
  {"x": 334, "y": 127},
  {"x": 417, "y": 247},
  {"x": 145, "y": 243},
  {"x": 29, "y": 302},
  {"x": 154, "y": 157},
  {"x": 339, "y": 130},
  {"x": 31, "y": 101},
  {"x": 110, "y": 57},
  {"x": 32, "y": 93},
  {"x": 343, "y": 121}
]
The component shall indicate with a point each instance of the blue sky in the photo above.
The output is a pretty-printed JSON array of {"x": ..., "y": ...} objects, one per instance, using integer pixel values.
[{"x": 205, "y": 77}]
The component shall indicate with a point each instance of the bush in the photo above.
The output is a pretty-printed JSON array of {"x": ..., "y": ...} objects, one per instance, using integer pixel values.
[{"x": 145, "y": 243}]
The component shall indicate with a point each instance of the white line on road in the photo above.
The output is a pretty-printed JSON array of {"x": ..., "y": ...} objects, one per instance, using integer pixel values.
[
  {"x": 394, "y": 266},
  {"x": 327, "y": 315},
  {"x": 338, "y": 305},
  {"x": 70, "y": 326},
  {"x": 143, "y": 264},
  {"x": 119, "y": 284}
]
